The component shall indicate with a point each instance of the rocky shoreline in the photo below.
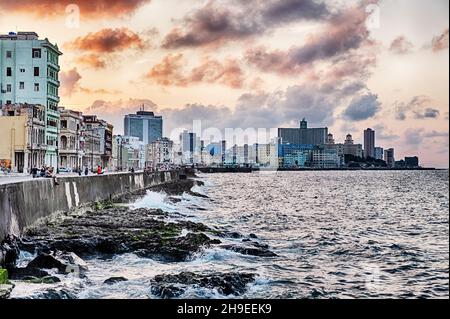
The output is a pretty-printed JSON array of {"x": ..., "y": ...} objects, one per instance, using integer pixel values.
[{"x": 62, "y": 243}]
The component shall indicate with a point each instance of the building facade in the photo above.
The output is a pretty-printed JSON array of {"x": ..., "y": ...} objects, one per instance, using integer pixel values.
[
  {"x": 23, "y": 146},
  {"x": 389, "y": 157},
  {"x": 379, "y": 153},
  {"x": 71, "y": 150},
  {"x": 350, "y": 148},
  {"x": 144, "y": 125},
  {"x": 303, "y": 135},
  {"x": 369, "y": 143},
  {"x": 160, "y": 152},
  {"x": 29, "y": 70}
]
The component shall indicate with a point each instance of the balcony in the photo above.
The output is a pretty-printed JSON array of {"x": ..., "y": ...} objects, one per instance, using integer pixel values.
[
  {"x": 54, "y": 81},
  {"x": 51, "y": 112},
  {"x": 54, "y": 65},
  {"x": 53, "y": 97},
  {"x": 52, "y": 129}
]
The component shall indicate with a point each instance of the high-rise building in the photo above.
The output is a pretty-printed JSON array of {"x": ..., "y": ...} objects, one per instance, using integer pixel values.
[
  {"x": 144, "y": 125},
  {"x": 29, "y": 70},
  {"x": 369, "y": 143},
  {"x": 188, "y": 142},
  {"x": 389, "y": 157},
  {"x": 303, "y": 135}
]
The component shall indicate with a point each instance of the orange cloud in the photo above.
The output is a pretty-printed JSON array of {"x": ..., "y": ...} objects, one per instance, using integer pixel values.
[
  {"x": 108, "y": 41},
  {"x": 88, "y": 8},
  {"x": 92, "y": 60},
  {"x": 69, "y": 81},
  {"x": 440, "y": 42},
  {"x": 171, "y": 72}
]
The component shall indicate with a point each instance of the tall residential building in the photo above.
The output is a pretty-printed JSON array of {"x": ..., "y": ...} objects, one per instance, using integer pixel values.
[
  {"x": 379, "y": 153},
  {"x": 160, "y": 152},
  {"x": 29, "y": 70},
  {"x": 369, "y": 143},
  {"x": 389, "y": 157},
  {"x": 188, "y": 142},
  {"x": 303, "y": 135},
  {"x": 105, "y": 131},
  {"x": 144, "y": 125}
]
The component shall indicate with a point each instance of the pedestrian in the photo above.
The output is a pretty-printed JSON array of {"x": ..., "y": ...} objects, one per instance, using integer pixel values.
[
  {"x": 99, "y": 170},
  {"x": 86, "y": 171},
  {"x": 79, "y": 171},
  {"x": 34, "y": 171}
]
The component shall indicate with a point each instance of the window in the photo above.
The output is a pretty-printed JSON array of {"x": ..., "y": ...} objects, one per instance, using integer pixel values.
[
  {"x": 36, "y": 87},
  {"x": 36, "y": 53},
  {"x": 8, "y": 72},
  {"x": 21, "y": 85},
  {"x": 8, "y": 54},
  {"x": 8, "y": 102},
  {"x": 8, "y": 87},
  {"x": 22, "y": 70},
  {"x": 36, "y": 71}
]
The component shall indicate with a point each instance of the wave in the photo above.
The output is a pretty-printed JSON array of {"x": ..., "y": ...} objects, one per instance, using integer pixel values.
[{"x": 154, "y": 200}]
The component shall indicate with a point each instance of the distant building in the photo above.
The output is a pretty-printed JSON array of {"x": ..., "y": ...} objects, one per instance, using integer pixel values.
[
  {"x": 412, "y": 162},
  {"x": 294, "y": 155},
  {"x": 389, "y": 157},
  {"x": 104, "y": 131},
  {"x": 29, "y": 70},
  {"x": 325, "y": 158},
  {"x": 369, "y": 143},
  {"x": 160, "y": 152},
  {"x": 379, "y": 153},
  {"x": 144, "y": 125},
  {"x": 350, "y": 148},
  {"x": 303, "y": 135}
]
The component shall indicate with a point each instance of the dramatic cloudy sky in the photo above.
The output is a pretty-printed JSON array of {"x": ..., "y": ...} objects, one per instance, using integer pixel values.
[{"x": 347, "y": 64}]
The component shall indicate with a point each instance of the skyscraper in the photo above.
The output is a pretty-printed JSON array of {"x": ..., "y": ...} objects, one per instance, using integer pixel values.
[
  {"x": 369, "y": 143},
  {"x": 29, "y": 70},
  {"x": 144, "y": 125}
]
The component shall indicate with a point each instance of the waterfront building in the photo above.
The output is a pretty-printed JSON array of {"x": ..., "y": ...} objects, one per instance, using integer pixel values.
[
  {"x": 29, "y": 70},
  {"x": 379, "y": 153},
  {"x": 389, "y": 157},
  {"x": 338, "y": 148},
  {"x": 188, "y": 143},
  {"x": 294, "y": 155},
  {"x": 303, "y": 135},
  {"x": 71, "y": 150},
  {"x": 144, "y": 125},
  {"x": 160, "y": 152},
  {"x": 22, "y": 128},
  {"x": 350, "y": 148},
  {"x": 369, "y": 143},
  {"x": 268, "y": 154},
  {"x": 104, "y": 131},
  {"x": 325, "y": 158}
]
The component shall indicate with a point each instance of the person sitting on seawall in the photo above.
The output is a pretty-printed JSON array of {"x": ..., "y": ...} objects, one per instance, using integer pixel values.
[
  {"x": 86, "y": 171},
  {"x": 99, "y": 170}
]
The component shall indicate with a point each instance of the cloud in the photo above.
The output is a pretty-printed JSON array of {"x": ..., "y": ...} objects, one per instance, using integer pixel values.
[
  {"x": 440, "y": 42},
  {"x": 413, "y": 136},
  {"x": 401, "y": 45},
  {"x": 362, "y": 108},
  {"x": 70, "y": 84},
  {"x": 88, "y": 8},
  {"x": 170, "y": 72},
  {"x": 92, "y": 60},
  {"x": 418, "y": 107},
  {"x": 384, "y": 133},
  {"x": 69, "y": 81},
  {"x": 214, "y": 24},
  {"x": 433, "y": 134},
  {"x": 344, "y": 33},
  {"x": 108, "y": 41}
]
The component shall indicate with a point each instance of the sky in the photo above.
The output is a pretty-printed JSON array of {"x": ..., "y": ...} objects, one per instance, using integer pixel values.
[{"x": 347, "y": 65}]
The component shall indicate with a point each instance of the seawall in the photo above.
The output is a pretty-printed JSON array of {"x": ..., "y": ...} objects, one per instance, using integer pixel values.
[{"x": 23, "y": 203}]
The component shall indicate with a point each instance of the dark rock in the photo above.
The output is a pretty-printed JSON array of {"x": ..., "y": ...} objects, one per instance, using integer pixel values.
[
  {"x": 172, "y": 286},
  {"x": 65, "y": 263},
  {"x": 24, "y": 273},
  {"x": 9, "y": 252},
  {"x": 42, "y": 280},
  {"x": 5, "y": 291},
  {"x": 57, "y": 294},
  {"x": 114, "y": 280},
  {"x": 118, "y": 230},
  {"x": 253, "y": 236},
  {"x": 252, "y": 251}
]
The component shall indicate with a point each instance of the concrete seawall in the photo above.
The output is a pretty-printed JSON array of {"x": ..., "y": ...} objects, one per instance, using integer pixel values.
[{"x": 23, "y": 203}]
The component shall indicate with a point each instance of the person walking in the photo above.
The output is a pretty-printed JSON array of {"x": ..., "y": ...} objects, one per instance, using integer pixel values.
[
  {"x": 34, "y": 171},
  {"x": 86, "y": 171}
]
